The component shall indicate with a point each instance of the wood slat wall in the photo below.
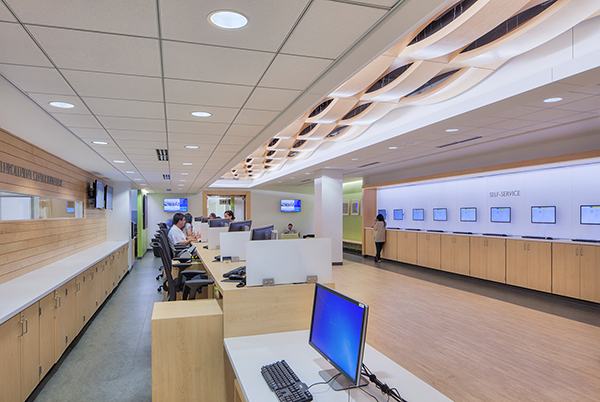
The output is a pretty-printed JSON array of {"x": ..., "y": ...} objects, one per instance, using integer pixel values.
[{"x": 28, "y": 245}]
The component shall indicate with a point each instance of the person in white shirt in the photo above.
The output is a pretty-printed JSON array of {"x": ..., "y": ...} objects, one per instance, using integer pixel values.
[{"x": 176, "y": 235}]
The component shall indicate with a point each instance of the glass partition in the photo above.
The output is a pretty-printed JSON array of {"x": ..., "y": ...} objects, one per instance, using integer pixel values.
[{"x": 15, "y": 206}]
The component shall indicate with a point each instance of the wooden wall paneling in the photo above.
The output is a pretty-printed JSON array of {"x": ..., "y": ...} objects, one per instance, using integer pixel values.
[
  {"x": 368, "y": 242},
  {"x": 589, "y": 260},
  {"x": 10, "y": 359},
  {"x": 539, "y": 269},
  {"x": 369, "y": 211},
  {"x": 47, "y": 333}
]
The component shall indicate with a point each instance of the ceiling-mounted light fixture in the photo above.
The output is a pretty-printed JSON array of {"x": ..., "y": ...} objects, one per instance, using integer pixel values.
[
  {"x": 62, "y": 105},
  {"x": 227, "y": 19}
]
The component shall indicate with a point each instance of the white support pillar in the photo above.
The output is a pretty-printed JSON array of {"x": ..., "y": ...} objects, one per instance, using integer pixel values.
[{"x": 328, "y": 209}]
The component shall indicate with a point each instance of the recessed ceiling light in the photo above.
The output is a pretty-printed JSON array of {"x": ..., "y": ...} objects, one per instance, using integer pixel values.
[
  {"x": 292, "y": 178},
  {"x": 130, "y": 172},
  {"x": 552, "y": 100},
  {"x": 354, "y": 159},
  {"x": 201, "y": 114},
  {"x": 227, "y": 19},
  {"x": 119, "y": 161},
  {"x": 192, "y": 146},
  {"x": 452, "y": 130},
  {"x": 392, "y": 147},
  {"x": 182, "y": 180},
  {"x": 184, "y": 174},
  {"x": 327, "y": 167},
  {"x": 306, "y": 173},
  {"x": 410, "y": 143},
  {"x": 181, "y": 184},
  {"x": 137, "y": 179},
  {"x": 62, "y": 105},
  {"x": 100, "y": 142},
  {"x": 187, "y": 163},
  {"x": 279, "y": 181}
]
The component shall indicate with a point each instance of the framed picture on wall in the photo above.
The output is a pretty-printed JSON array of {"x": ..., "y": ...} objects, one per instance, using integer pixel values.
[
  {"x": 354, "y": 208},
  {"x": 345, "y": 208}
]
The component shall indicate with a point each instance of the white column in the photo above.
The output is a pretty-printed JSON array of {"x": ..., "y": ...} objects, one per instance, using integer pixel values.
[
  {"x": 328, "y": 209},
  {"x": 118, "y": 220}
]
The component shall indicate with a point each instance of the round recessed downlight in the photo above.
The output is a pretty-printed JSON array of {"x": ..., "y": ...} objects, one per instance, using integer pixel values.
[
  {"x": 201, "y": 114},
  {"x": 452, "y": 130},
  {"x": 227, "y": 19},
  {"x": 62, "y": 105},
  {"x": 354, "y": 159},
  {"x": 192, "y": 146},
  {"x": 392, "y": 147},
  {"x": 100, "y": 142},
  {"x": 552, "y": 100}
]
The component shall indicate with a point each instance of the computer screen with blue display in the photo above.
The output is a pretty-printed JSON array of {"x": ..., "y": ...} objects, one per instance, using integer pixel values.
[
  {"x": 338, "y": 330},
  {"x": 418, "y": 214},
  {"x": 398, "y": 214}
]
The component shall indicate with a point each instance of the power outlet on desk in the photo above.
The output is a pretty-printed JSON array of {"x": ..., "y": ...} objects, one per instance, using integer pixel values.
[{"x": 269, "y": 282}]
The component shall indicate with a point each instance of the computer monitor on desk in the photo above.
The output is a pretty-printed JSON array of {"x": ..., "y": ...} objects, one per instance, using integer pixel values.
[
  {"x": 262, "y": 233},
  {"x": 218, "y": 223},
  {"x": 338, "y": 330},
  {"x": 241, "y": 226}
]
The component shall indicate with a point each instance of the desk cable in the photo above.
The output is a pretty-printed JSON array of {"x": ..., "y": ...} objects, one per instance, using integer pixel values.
[
  {"x": 325, "y": 382},
  {"x": 385, "y": 389}
]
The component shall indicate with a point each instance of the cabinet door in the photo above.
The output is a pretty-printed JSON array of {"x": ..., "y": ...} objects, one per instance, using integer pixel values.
[
  {"x": 390, "y": 248},
  {"x": 461, "y": 254},
  {"x": 30, "y": 350},
  {"x": 565, "y": 269},
  {"x": 95, "y": 288},
  {"x": 81, "y": 302},
  {"x": 539, "y": 269},
  {"x": 105, "y": 278},
  {"x": 448, "y": 253},
  {"x": 496, "y": 260},
  {"x": 478, "y": 257},
  {"x": 10, "y": 359},
  {"x": 48, "y": 306},
  {"x": 410, "y": 248},
  {"x": 517, "y": 262},
  {"x": 369, "y": 242},
  {"x": 69, "y": 308},
  {"x": 423, "y": 249},
  {"x": 435, "y": 251},
  {"x": 589, "y": 265},
  {"x": 62, "y": 321}
]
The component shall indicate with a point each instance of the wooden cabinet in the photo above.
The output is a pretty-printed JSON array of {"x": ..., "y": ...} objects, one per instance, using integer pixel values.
[
  {"x": 105, "y": 280},
  {"x": 48, "y": 306},
  {"x": 114, "y": 271},
  {"x": 10, "y": 359},
  {"x": 429, "y": 250},
  {"x": 407, "y": 247},
  {"x": 369, "y": 242},
  {"x": 30, "y": 349},
  {"x": 390, "y": 248},
  {"x": 529, "y": 264},
  {"x": 65, "y": 316},
  {"x": 576, "y": 271},
  {"x": 81, "y": 302},
  {"x": 455, "y": 254},
  {"x": 487, "y": 258},
  {"x": 589, "y": 268}
]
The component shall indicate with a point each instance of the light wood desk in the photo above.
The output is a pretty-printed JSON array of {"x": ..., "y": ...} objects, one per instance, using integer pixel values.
[{"x": 248, "y": 354}]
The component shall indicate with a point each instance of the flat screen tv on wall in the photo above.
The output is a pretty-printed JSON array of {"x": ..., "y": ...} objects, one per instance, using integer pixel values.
[{"x": 99, "y": 194}]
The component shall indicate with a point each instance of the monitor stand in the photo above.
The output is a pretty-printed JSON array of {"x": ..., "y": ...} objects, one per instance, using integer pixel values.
[{"x": 341, "y": 383}]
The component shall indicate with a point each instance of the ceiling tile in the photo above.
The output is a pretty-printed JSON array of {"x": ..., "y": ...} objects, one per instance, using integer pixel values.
[
  {"x": 125, "y": 108},
  {"x": 145, "y": 145},
  {"x": 590, "y": 104},
  {"x": 138, "y": 135},
  {"x": 515, "y": 112},
  {"x": 511, "y": 124},
  {"x": 134, "y": 17},
  {"x": 36, "y": 79},
  {"x": 256, "y": 117},
  {"x": 235, "y": 140},
  {"x": 244, "y": 130},
  {"x": 210, "y": 63},
  {"x": 18, "y": 48},
  {"x": 383, "y": 3},
  {"x": 183, "y": 112},
  {"x": 576, "y": 117},
  {"x": 92, "y": 133},
  {"x": 177, "y": 126},
  {"x": 77, "y": 120},
  {"x": 328, "y": 28},
  {"x": 44, "y": 101},
  {"x": 269, "y": 22},
  {"x": 126, "y": 123},
  {"x": 99, "y": 52},
  {"x": 5, "y": 15},
  {"x": 271, "y": 99},
  {"x": 204, "y": 93},
  {"x": 194, "y": 139},
  {"x": 547, "y": 115},
  {"x": 116, "y": 86},
  {"x": 293, "y": 72}
]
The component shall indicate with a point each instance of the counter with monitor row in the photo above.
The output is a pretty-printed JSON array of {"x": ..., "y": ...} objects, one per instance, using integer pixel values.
[
  {"x": 561, "y": 267},
  {"x": 43, "y": 311}
]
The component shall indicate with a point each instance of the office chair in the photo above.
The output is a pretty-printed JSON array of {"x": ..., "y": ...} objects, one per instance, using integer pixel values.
[{"x": 191, "y": 282}]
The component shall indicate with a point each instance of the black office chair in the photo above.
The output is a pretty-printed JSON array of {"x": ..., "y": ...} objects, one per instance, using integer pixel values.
[{"x": 190, "y": 282}]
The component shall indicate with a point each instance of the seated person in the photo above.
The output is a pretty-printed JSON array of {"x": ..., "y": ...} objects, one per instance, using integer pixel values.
[
  {"x": 229, "y": 215},
  {"x": 290, "y": 229},
  {"x": 176, "y": 235},
  {"x": 188, "y": 229},
  {"x": 212, "y": 216}
]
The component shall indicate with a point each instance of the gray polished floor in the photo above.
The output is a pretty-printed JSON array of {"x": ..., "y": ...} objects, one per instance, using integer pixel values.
[{"x": 110, "y": 360}]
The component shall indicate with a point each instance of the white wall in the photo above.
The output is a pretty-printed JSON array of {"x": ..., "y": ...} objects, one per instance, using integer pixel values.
[
  {"x": 118, "y": 220},
  {"x": 157, "y": 214},
  {"x": 266, "y": 210},
  {"x": 566, "y": 187}
]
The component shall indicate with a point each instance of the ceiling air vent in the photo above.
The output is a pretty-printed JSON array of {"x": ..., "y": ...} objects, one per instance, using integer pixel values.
[
  {"x": 166, "y": 176},
  {"x": 163, "y": 155},
  {"x": 336, "y": 131},
  {"x": 458, "y": 142},
  {"x": 270, "y": 153},
  {"x": 356, "y": 111},
  {"x": 306, "y": 181},
  {"x": 273, "y": 142},
  {"x": 248, "y": 160},
  {"x": 307, "y": 129},
  {"x": 319, "y": 109},
  {"x": 368, "y": 164},
  {"x": 298, "y": 143}
]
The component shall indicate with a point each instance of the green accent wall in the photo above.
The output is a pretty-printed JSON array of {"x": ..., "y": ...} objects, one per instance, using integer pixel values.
[
  {"x": 352, "y": 224},
  {"x": 142, "y": 236}
]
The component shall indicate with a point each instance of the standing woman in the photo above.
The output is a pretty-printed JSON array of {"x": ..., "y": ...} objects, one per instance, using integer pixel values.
[{"x": 380, "y": 227}]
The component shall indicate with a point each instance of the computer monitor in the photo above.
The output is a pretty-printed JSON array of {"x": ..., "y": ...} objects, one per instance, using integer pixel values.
[
  {"x": 418, "y": 214},
  {"x": 262, "y": 232},
  {"x": 108, "y": 197},
  {"x": 241, "y": 226},
  {"x": 589, "y": 214},
  {"x": 543, "y": 214},
  {"x": 338, "y": 331},
  {"x": 468, "y": 214},
  {"x": 382, "y": 212},
  {"x": 398, "y": 214},
  {"x": 218, "y": 223},
  {"x": 204, "y": 219},
  {"x": 440, "y": 214},
  {"x": 500, "y": 215}
]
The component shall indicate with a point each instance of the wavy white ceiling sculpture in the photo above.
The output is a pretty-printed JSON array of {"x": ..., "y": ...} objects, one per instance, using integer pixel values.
[{"x": 441, "y": 59}]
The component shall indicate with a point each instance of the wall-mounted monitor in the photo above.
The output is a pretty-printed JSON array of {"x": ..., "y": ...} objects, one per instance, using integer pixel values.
[
  {"x": 500, "y": 215},
  {"x": 382, "y": 212},
  {"x": 70, "y": 207},
  {"x": 589, "y": 214},
  {"x": 99, "y": 194},
  {"x": 418, "y": 214},
  {"x": 398, "y": 214},
  {"x": 108, "y": 197},
  {"x": 543, "y": 214},
  {"x": 468, "y": 214},
  {"x": 440, "y": 214},
  {"x": 291, "y": 205},
  {"x": 175, "y": 204}
]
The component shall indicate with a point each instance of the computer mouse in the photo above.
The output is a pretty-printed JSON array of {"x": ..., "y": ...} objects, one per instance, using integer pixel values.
[{"x": 236, "y": 277}]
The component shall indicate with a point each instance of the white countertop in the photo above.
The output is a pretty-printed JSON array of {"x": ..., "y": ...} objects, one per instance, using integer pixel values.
[
  {"x": 249, "y": 353},
  {"x": 20, "y": 293}
]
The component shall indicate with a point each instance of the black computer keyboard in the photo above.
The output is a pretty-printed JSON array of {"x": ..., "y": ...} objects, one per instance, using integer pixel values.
[
  {"x": 285, "y": 383},
  {"x": 236, "y": 271}
]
